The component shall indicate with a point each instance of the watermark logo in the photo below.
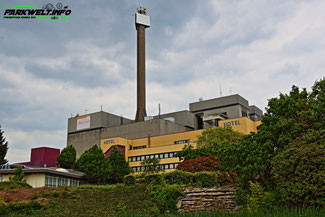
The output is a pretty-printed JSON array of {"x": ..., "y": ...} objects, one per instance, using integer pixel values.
[{"x": 47, "y": 12}]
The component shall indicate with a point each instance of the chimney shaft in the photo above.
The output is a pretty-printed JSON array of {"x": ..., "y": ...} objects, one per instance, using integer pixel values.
[
  {"x": 141, "y": 74},
  {"x": 142, "y": 21}
]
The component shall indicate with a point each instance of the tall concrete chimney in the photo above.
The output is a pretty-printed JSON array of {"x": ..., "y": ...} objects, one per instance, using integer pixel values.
[{"x": 142, "y": 21}]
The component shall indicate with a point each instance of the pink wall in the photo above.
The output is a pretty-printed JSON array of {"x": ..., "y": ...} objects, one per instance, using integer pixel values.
[
  {"x": 121, "y": 148},
  {"x": 41, "y": 156}
]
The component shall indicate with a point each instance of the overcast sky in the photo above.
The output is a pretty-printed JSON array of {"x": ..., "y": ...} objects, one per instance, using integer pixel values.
[{"x": 52, "y": 69}]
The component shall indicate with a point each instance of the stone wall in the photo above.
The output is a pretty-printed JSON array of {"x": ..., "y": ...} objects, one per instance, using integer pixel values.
[{"x": 199, "y": 199}]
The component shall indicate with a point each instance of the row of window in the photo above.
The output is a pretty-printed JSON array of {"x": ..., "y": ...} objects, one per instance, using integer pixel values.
[
  {"x": 162, "y": 166},
  {"x": 158, "y": 156},
  {"x": 51, "y": 181},
  {"x": 139, "y": 147},
  {"x": 182, "y": 141}
]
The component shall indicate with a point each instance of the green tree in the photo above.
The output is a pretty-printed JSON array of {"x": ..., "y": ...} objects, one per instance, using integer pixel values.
[
  {"x": 19, "y": 175},
  {"x": 67, "y": 157},
  {"x": 287, "y": 152},
  {"x": 299, "y": 171},
  {"x": 151, "y": 165},
  {"x": 118, "y": 166},
  {"x": 212, "y": 138},
  {"x": 3, "y": 148},
  {"x": 219, "y": 142},
  {"x": 93, "y": 163}
]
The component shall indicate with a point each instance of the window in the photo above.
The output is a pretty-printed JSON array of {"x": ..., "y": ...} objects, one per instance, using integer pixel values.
[
  {"x": 139, "y": 147},
  {"x": 176, "y": 165},
  {"x": 63, "y": 181},
  {"x": 138, "y": 158},
  {"x": 152, "y": 156},
  {"x": 142, "y": 157},
  {"x": 166, "y": 166},
  {"x": 130, "y": 159},
  {"x": 162, "y": 167},
  {"x": 161, "y": 156},
  {"x": 171, "y": 166},
  {"x": 166, "y": 155},
  {"x": 171, "y": 154},
  {"x": 134, "y": 169},
  {"x": 182, "y": 141},
  {"x": 73, "y": 182},
  {"x": 1, "y": 178},
  {"x": 147, "y": 157},
  {"x": 50, "y": 181},
  {"x": 157, "y": 156}
]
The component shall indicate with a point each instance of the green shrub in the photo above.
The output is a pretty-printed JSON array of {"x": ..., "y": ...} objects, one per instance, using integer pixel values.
[
  {"x": 25, "y": 208},
  {"x": 258, "y": 199},
  {"x": 140, "y": 178},
  {"x": 153, "y": 179},
  {"x": 206, "y": 179},
  {"x": 13, "y": 185},
  {"x": 178, "y": 177},
  {"x": 129, "y": 180},
  {"x": 165, "y": 196},
  {"x": 240, "y": 196}
]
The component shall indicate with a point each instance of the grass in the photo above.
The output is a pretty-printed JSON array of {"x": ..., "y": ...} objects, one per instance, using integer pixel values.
[
  {"x": 117, "y": 200},
  {"x": 114, "y": 200}
]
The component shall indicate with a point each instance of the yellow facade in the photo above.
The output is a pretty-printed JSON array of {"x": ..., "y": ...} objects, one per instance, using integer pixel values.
[
  {"x": 164, "y": 147},
  {"x": 36, "y": 180},
  {"x": 242, "y": 124}
]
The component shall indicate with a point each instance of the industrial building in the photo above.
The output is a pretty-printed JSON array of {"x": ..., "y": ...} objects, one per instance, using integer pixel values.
[{"x": 163, "y": 135}]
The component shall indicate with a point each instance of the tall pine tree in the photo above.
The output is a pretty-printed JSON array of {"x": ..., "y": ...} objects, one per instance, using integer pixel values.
[{"x": 3, "y": 148}]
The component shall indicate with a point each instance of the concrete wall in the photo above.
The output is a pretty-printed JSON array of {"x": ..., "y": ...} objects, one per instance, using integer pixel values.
[
  {"x": 99, "y": 120},
  {"x": 232, "y": 111},
  {"x": 255, "y": 113},
  {"x": 84, "y": 140},
  {"x": 218, "y": 103},
  {"x": 184, "y": 118}
]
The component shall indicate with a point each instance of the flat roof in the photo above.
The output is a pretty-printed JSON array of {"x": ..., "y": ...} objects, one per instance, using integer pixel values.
[{"x": 55, "y": 171}]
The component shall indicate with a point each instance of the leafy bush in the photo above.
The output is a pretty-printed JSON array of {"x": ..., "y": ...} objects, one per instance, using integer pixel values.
[
  {"x": 153, "y": 179},
  {"x": 140, "y": 178},
  {"x": 25, "y": 208},
  {"x": 13, "y": 185},
  {"x": 227, "y": 178},
  {"x": 258, "y": 199},
  {"x": 300, "y": 170},
  {"x": 19, "y": 175},
  {"x": 165, "y": 196},
  {"x": 129, "y": 180},
  {"x": 199, "y": 164},
  {"x": 206, "y": 179},
  {"x": 241, "y": 196},
  {"x": 178, "y": 177}
]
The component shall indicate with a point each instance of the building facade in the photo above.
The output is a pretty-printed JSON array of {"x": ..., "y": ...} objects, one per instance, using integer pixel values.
[
  {"x": 234, "y": 110},
  {"x": 44, "y": 177},
  {"x": 165, "y": 147}
]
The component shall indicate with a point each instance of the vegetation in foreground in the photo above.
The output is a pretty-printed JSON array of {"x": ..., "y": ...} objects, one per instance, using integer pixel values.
[{"x": 113, "y": 200}]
